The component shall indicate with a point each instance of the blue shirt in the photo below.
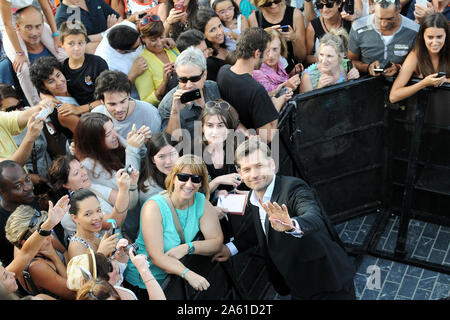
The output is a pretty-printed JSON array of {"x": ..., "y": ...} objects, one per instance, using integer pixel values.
[{"x": 44, "y": 53}]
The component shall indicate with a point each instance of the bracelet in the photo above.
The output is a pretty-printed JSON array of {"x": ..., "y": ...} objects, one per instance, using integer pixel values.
[
  {"x": 132, "y": 189},
  {"x": 20, "y": 53},
  {"x": 55, "y": 34},
  {"x": 119, "y": 212},
  {"x": 184, "y": 272},
  {"x": 90, "y": 107},
  {"x": 148, "y": 280}
]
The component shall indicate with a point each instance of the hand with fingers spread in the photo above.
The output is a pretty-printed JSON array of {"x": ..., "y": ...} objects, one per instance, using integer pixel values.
[
  {"x": 57, "y": 212},
  {"x": 277, "y": 214}
]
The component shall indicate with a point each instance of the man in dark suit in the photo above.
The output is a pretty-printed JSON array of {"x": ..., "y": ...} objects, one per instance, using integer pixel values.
[{"x": 304, "y": 256}]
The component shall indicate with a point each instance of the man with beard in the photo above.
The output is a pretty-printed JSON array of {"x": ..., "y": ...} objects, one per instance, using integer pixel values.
[
  {"x": 304, "y": 255},
  {"x": 113, "y": 88},
  {"x": 257, "y": 110},
  {"x": 380, "y": 42}
]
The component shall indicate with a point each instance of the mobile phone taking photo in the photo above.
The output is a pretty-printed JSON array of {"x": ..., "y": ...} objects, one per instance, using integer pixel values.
[{"x": 190, "y": 96}]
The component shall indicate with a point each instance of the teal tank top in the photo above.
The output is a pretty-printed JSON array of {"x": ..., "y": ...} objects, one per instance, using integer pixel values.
[{"x": 190, "y": 222}]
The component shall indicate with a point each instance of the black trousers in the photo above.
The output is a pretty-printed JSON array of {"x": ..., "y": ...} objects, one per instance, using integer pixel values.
[{"x": 347, "y": 293}]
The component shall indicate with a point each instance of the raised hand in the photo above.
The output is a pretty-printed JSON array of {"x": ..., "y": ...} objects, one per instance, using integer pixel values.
[{"x": 277, "y": 216}]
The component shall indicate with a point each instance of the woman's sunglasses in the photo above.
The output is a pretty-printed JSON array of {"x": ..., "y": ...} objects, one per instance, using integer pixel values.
[
  {"x": 192, "y": 79},
  {"x": 270, "y": 3},
  {"x": 184, "y": 177},
  {"x": 146, "y": 20},
  {"x": 31, "y": 225},
  {"x": 218, "y": 104},
  {"x": 19, "y": 105},
  {"x": 320, "y": 5}
]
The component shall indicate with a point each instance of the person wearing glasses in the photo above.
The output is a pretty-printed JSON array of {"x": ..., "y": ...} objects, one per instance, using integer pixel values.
[
  {"x": 46, "y": 272},
  {"x": 152, "y": 84},
  {"x": 191, "y": 70},
  {"x": 289, "y": 21},
  {"x": 330, "y": 18},
  {"x": 37, "y": 236},
  {"x": 157, "y": 164},
  {"x": 186, "y": 200},
  {"x": 380, "y": 42},
  {"x": 234, "y": 22}
]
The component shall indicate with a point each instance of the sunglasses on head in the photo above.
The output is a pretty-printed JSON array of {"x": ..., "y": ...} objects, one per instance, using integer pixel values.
[
  {"x": 192, "y": 79},
  {"x": 184, "y": 177},
  {"x": 218, "y": 104},
  {"x": 320, "y": 5},
  {"x": 270, "y": 3},
  {"x": 31, "y": 225},
  {"x": 146, "y": 20},
  {"x": 19, "y": 105}
]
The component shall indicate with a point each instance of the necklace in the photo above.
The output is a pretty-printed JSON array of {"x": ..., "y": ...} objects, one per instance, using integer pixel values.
[{"x": 325, "y": 25}]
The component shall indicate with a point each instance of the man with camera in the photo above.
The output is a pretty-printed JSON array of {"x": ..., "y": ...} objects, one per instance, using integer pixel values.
[
  {"x": 380, "y": 42},
  {"x": 182, "y": 105}
]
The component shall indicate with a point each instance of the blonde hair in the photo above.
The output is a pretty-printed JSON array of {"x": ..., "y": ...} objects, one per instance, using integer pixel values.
[
  {"x": 97, "y": 289},
  {"x": 338, "y": 39},
  {"x": 196, "y": 166},
  {"x": 274, "y": 34},
  {"x": 17, "y": 226}
]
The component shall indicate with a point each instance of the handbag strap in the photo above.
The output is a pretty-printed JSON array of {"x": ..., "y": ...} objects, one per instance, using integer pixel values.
[
  {"x": 176, "y": 220},
  {"x": 99, "y": 195}
]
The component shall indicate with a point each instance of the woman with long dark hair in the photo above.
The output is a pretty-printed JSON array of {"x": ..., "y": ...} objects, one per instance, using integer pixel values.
[
  {"x": 430, "y": 55},
  {"x": 157, "y": 164},
  {"x": 209, "y": 23}
]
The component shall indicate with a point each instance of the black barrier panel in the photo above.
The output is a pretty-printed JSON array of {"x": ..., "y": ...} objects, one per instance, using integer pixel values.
[{"x": 339, "y": 143}]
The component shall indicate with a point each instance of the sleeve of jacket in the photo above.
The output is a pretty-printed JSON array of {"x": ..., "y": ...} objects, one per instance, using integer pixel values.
[{"x": 306, "y": 209}]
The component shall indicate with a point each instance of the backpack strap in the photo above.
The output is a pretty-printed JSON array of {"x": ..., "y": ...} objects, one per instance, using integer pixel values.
[{"x": 176, "y": 220}]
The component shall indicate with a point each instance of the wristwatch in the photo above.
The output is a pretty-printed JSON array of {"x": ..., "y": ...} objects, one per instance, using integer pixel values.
[
  {"x": 43, "y": 233},
  {"x": 191, "y": 249}
]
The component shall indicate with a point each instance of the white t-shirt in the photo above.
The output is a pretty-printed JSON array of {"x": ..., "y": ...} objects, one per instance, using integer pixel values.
[
  {"x": 15, "y": 5},
  {"x": 115, "y": 60}
]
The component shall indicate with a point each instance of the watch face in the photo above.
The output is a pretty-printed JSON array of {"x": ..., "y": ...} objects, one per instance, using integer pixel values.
[{"x": 191, "y": 250}]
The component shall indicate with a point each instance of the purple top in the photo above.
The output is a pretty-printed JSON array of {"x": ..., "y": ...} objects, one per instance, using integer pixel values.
[{"x": 269, "y": 78}]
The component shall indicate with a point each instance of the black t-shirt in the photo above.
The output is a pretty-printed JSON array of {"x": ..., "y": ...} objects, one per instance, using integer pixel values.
[
  {"x": 248, "y": 97},
  {"x": 213, "y": 65},
  {"x": 6, "y": 248},
  {"x": 81, "y": 81}
]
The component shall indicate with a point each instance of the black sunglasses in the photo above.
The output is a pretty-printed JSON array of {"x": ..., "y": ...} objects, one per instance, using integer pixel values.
[
  {"x": 33, "y": 220},
  {"x": 218, "y": 104},
  {"x": 195, "y": 178},
  {"x": 320, "y": 5},
  {"x": 192, "y": 79},
  {"x": 269, "y": 4},
  {"x": 146, "y": 20},
  {"x": 19, "y": 105}
]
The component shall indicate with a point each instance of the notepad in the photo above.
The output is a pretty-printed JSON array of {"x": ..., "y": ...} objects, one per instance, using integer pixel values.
[{"x": 234, "y": 203}]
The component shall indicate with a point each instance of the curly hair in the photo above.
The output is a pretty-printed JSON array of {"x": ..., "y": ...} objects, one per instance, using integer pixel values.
[
  {"x": 111, "y": 81},
  {"x": 41, "y": 69}
]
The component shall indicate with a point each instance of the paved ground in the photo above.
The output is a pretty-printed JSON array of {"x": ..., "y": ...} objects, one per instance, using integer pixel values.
[{"x": 399, "y": 281}]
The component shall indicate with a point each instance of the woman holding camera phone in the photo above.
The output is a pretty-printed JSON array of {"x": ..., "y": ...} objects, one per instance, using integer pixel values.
[
  {"x": 332, "y": 67},
  {"x": 178, "y": 16},
  {"x": 152, "y": 84},
  {"x": 288, "y": 20},
  {"x": 272, "y": 74},
  {"x": 67, "y": 175},
  {"x": 188, "y": 192},
  {"x": 430, "y": 56}
]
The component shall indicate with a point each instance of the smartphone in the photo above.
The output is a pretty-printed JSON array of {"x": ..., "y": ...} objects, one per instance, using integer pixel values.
[
  {"x": 285, "y": 28},
  {"x": 190, "y": 96},
  {"x": 349, "y": 65},
  {"x": 129, "y": 169},
  {"x": 349, "y": 6},
  {"x": 179, "y": 6},
  {"x": 441, "y": 74},
  {"x": 113, "y": 227},
  {"x": 388, "y": 65},
  {"x": 378, "y": 70}
]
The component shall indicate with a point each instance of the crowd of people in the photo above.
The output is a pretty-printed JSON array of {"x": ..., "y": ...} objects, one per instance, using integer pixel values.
[{"x": 123, "y": 126}]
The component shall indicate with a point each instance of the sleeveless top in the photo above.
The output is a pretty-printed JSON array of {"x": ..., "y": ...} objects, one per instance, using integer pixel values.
[
  {"x": 288, "y": 19},
  {"x": 190, "y": 223},
  {"x": 231, "y": 43},
  {"x": 319, "y": 31},
  {"x": 74, "y": 238},
  {"x": 314, "y": 73}
]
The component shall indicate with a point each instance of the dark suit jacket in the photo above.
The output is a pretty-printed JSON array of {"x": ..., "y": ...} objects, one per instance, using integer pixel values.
[{"x": 314, "y": 263}]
